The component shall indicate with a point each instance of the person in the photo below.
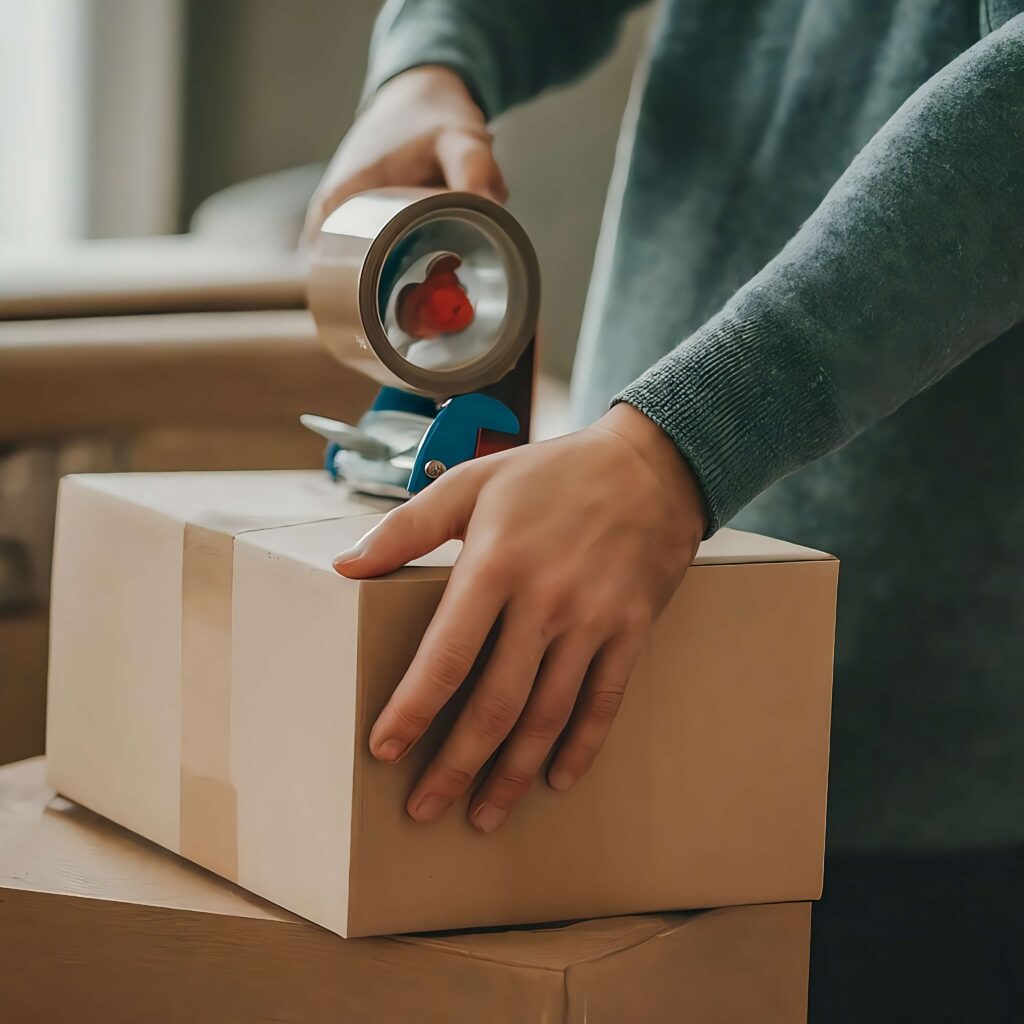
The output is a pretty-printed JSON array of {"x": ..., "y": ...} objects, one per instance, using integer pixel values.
[{"x": 816, "y": 236}]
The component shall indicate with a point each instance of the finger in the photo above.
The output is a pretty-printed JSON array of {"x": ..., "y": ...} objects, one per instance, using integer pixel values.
[
  {"x": 423, "y": 523},
  {"x": 547, "y": 712},
  {"x": 450, "y": 647},
  {"x": 468, "y": 163},
  {"x": 488, "y": 717},
  {"x": 595, "y": 711}
]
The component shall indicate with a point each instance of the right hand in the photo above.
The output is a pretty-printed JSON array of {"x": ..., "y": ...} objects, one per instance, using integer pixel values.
[{"x": 421, "y": 128}]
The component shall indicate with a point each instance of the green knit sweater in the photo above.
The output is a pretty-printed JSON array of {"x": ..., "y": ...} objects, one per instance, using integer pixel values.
[{"x": 817, "y": 225}]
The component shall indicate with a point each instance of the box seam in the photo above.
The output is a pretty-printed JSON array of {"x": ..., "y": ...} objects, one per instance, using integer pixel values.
[{"x": 667, "y": 929}]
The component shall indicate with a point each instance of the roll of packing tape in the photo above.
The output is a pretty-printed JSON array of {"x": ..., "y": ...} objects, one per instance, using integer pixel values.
[{"x": 432, "y": 291}]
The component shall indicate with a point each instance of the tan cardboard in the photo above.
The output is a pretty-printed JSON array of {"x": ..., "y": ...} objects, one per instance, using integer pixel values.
[
  {"x": 171, "y": 273},
  {"x": 129, "y": 373},
  {"x": 99, "y": 925},
  {"x": 213, "y": 682}
]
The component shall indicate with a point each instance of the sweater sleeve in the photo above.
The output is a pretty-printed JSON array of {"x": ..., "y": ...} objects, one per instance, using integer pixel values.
[
  {"x": 913, "y": 261},
  {"x": 507, "y": 51}
]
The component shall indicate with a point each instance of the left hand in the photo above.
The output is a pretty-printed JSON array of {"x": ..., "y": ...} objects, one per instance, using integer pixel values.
[{"x": 573, "y": 546}]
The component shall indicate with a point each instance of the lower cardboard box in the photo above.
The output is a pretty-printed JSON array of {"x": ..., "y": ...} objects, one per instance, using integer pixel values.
[
  {"x": 99, "y": 925},
  {"x": 213, "y": 682}
]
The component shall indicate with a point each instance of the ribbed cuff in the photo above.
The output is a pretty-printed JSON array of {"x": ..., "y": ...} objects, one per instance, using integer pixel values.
[{"x": 746, "y": 403}]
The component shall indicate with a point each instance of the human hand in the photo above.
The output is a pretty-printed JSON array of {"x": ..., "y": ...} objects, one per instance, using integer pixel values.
[
  {"x": 573, "y": 546},
  {"x": 421, "y": 128}
]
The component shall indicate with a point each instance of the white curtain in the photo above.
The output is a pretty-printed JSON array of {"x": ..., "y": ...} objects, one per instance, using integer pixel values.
[
  {"x": 89, "y": 118},
  {"x": 42, "y": 159}
]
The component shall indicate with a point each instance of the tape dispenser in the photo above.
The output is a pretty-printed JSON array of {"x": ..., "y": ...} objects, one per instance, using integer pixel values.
[{"x": 435, "y": 295}]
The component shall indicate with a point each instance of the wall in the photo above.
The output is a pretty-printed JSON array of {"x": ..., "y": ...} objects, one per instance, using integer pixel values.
[
  {"x": 132, "y": 121},
  {"x": 270, "y": 85}
]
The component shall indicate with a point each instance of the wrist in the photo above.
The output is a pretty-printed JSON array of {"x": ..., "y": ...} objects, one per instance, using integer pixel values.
[
  {"x": 655, "y": 447},
  {"x": 436, "y": 84}
]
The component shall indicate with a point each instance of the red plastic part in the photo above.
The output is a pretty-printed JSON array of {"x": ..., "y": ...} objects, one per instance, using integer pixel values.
[
  {"x": 437, "y": 305},
  {"x": 490, "y": 442}
]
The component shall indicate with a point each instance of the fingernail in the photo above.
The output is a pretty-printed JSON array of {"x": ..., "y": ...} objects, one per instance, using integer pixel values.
[
  {"x": 352, "y": 553},
  {"x": 428, "y": 807},
  {"x": 560, "y": 779},
  {"x": 487, "y": 817},
  {"x": 389, "y": 750}
]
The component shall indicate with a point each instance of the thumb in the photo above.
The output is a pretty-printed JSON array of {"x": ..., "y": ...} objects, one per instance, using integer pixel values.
[
  {"x": 422, "y": 524},
  {"x": 468, "y": 164}
]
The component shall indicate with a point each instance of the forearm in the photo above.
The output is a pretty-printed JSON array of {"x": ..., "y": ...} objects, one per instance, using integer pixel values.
[
  {"x": 507, "y": 51},
  {"x": 913, "y": 261}
]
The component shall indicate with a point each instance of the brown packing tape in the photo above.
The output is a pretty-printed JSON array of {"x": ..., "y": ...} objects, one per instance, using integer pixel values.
[
  {"x": 208, "y": 818},
  {"x": 208, "y": 801}
]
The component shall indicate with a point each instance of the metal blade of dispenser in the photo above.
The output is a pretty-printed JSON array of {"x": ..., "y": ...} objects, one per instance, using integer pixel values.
[{"x": 348, "y": 437}]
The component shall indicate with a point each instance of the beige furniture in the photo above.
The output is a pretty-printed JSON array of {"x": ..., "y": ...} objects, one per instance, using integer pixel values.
[{"x": 166, "y": 274}]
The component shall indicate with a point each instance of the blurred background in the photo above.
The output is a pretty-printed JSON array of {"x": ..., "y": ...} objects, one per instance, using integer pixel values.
[
  {"x": 121, "y": 117},
  {"x": 187, "y": 136}
]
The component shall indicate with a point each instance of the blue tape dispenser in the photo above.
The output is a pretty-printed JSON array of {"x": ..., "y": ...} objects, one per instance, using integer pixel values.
[{"x": 435, "y": 295}]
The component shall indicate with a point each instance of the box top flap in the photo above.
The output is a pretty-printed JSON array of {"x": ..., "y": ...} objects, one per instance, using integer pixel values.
[
  {"x": 238, "y": 502},
  {"x": 243, "y": 502},
  {"x": 739, "y": 547},
  {"x": 316, "y": 544}
]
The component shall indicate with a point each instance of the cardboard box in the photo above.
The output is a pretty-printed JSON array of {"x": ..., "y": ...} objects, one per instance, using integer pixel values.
[
  {"x": 99, "y": 925},
  {"x": 213, "y": 682}
]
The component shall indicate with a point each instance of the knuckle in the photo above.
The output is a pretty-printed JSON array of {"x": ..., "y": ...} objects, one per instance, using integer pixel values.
[
  {"x": 492, "y": 571},
  {"x": 596, "y": 618},
  {"x": 494, "y": 715},
  {"x": 604, "y": 704},
  {"x": 453, "y": 779},
  {"x": 449, "y": 665},
  {"x": 410, "y": 723},
  {"x": 509, "y": 786},
  {"x": 399, "y": 518},
  {"x": 544, "y": 724},
  {"x": 416, "y": 514},
  {"x": 637, "y": 618},
  {"x": 549, "y": 601},
  {"x": 446, "y": 485}
]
